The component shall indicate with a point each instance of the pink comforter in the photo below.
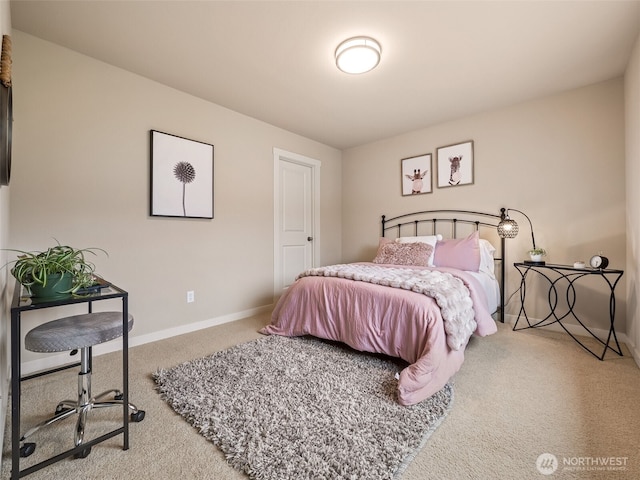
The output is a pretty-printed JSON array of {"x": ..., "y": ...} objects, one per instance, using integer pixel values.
[{"x": 381, "y": 319}]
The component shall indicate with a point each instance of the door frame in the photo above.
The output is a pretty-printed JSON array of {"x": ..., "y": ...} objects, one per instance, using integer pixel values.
[{"x": 279, "y": 156}]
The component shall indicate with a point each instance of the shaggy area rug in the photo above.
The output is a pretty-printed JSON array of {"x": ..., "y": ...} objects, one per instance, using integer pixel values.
[{"x": 300, "y": 408}]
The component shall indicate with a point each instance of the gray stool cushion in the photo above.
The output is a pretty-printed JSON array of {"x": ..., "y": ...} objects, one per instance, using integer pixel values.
[{"x": 77, "y": 331}]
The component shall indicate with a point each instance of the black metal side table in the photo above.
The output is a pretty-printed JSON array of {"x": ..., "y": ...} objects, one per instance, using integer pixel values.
[
  {"x": 22, "y": 304},
  {"x": 557, "y": 275}
]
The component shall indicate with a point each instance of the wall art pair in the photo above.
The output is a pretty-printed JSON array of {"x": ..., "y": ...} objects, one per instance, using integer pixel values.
[{"x": 454, "y": 168}]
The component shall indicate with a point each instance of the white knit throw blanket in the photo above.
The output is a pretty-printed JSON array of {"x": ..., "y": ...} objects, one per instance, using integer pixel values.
[{"x": 449, "y": 292}]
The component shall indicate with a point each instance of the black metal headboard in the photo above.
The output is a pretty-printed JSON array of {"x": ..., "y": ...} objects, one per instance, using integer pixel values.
[{"x": 453, "y": 224}]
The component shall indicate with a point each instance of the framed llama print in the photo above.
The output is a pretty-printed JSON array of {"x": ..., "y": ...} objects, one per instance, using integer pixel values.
[
  {"x": 181, "y": 177},
  {"x": 416, "y": 175},
  {"x": 455, "y": 164}
]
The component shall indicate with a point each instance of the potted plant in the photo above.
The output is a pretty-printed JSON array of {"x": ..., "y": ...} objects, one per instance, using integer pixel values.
[
  {"x": 59, "y": 270},
  {"x": 536, "y": 254}
]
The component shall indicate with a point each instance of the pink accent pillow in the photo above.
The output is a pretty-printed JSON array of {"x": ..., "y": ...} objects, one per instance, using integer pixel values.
[
  {"x": 385, "y": 240},
  {"x": 428, "y": 239},
  {"x": 404, "y": 254},
  {"x": 460, "y": 253}
]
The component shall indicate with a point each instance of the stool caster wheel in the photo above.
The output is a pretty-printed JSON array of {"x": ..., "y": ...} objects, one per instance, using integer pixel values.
[
  {"x": 138, "y": 416},
  {"x": 83, "y": 453},
  {"x": 27, "y": 449},
  {"x": 60, "y": 409}
]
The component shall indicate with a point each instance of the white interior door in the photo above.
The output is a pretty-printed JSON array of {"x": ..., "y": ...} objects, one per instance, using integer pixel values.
[{"x": 295, "y": 204}]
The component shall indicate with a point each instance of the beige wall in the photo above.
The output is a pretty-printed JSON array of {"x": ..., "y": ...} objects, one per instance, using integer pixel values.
[
  {"x": 81, "y": 175},
  {"x": 81, "y": 139},
  {"x": 632, "y": 123},
  {"x": 559, "y": 159}
]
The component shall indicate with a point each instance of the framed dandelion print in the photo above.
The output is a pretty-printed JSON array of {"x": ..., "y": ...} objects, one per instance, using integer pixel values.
[
  {"x": 416, "y": 175},
  {"x": 455, "y": 164},
  {"x": 181, "y": 177}
]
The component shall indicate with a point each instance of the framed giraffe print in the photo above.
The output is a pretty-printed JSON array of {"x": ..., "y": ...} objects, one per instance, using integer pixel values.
[
  {"x": 181, "y": 177},
  {"x": 416, "y": 175},
  {"x": 455, "y": 164}
]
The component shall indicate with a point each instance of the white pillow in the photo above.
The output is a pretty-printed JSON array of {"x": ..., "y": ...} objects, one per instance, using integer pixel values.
[
  {"x": 487, "y": 263},
  {"x": 428, "y": 239}
]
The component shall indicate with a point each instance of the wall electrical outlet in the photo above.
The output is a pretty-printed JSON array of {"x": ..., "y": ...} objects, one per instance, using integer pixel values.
[{"x": 191, "y": 296}]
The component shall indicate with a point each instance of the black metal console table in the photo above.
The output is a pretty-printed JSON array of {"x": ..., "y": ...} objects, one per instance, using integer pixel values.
[
  {"x": 569, "y": 274},
  {"x": 22, "y": 303}
]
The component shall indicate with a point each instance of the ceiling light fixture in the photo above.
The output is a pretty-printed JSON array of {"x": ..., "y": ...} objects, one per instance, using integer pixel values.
[{"x": 358, "y": 55}]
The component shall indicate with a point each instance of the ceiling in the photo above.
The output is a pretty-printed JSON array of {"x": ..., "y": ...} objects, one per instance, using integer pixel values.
[{"x": 274, "y": 60}]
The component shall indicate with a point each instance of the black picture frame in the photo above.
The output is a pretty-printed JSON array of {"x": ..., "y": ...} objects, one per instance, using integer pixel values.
[
  {"x": 6, "y": 110},
  {"x": 455, "y": 164},
  {"x": 6, "y": 127},
  {"x": 181, "y": 177},
  {"x": 415, "y": 175}
]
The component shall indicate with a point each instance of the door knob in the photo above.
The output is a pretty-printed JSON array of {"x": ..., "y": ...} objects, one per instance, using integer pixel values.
[{"x": 309, "y": 239}]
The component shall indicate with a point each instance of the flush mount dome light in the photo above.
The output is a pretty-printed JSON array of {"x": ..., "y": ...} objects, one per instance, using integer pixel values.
[{"x": 358, "y": 55}]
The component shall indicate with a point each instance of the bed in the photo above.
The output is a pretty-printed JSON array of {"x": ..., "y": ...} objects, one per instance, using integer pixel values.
[{"x": 436, "y": 280}]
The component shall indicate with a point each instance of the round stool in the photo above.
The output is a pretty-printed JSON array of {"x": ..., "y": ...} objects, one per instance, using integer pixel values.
[{"x": 78, "y": 332}]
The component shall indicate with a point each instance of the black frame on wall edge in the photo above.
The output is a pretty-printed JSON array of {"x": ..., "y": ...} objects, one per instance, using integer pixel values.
[{"x": 181, "y": 177}]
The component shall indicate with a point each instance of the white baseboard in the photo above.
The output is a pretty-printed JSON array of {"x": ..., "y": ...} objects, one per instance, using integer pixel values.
[
  {"x": 578, "y": 331},
  {"x": 635, "y": 351},
  {"x": 54, "y": 361}
]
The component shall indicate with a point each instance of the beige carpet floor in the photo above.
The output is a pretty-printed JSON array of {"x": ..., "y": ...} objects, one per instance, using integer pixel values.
[{"x": 518, "y": 395}]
